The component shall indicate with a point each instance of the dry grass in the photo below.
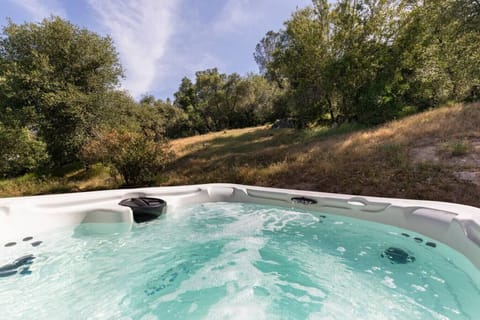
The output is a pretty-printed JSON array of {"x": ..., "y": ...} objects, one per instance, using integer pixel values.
[
  {"x": 97, "y": 178},
  {"x": 390, "y": 160},
  {"x": 188, "y": 145},
  {"x": 368, "y": 162}
]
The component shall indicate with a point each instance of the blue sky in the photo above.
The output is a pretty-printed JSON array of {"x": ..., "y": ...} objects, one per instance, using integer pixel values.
[{"x": 161, "y": 41}]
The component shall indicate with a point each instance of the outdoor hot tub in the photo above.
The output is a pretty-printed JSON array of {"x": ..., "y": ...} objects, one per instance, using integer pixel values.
[{"x": 227, "y": 251}]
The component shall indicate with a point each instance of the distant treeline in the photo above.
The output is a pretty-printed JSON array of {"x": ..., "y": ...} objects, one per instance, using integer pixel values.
[{"x": 358, "y": 61}]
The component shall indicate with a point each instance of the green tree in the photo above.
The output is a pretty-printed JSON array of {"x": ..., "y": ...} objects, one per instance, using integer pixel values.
[
  {"x": 265, "y": 52},
  {"x": 186, "y": 99},
  {"x": 20, "y": 151},
  {"x": 251, "y": 99},
  {"x": 54, "y": 76},
  {"x": 218, "y": 101},
  {"x": 341, "y": 61},
  {"x": 442, "y": 51},
  {"x": 367, "y": 68},
  {"x": 185, "y": 96},
  {"x": 209, "y": 96}
]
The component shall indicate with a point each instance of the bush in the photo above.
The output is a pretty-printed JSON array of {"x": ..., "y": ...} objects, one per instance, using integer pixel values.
[
  {"x": 407, "y": 111},
  {"x": 137, "y": 157},
  {"x": 20, "y": 151}
]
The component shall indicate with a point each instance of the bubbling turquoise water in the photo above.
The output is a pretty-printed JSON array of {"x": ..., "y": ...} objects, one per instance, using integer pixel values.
[{"x": 238, "y": 261}]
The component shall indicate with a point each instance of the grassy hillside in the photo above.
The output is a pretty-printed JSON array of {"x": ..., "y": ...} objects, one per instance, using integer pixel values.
[{"x": 434, "y": 155}]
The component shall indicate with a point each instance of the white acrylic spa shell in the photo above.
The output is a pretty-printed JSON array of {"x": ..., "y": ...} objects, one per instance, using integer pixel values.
[{"x": 458, "y": 226}]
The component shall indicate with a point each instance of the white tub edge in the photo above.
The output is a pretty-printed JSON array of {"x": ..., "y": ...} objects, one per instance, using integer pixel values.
[{"x": 455, "y": 225}]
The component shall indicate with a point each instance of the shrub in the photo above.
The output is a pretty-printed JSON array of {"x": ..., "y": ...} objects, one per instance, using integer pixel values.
[
  {"x": 407, "y": 111},
  {"x": 137, "y": 157},
  {"x": 20, "y": 151}
]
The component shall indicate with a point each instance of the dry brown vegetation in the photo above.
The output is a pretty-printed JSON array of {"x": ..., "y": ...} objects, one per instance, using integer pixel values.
[
  {"x": 75, "y": 179},
  {"x": 404, "y": 158},
  {"x": 433, "y": 155}
]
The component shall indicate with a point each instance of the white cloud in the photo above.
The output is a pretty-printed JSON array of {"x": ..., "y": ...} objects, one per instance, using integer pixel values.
[
  {"x": 141, "y": 30},
  {"x": 40, "y": 9}
]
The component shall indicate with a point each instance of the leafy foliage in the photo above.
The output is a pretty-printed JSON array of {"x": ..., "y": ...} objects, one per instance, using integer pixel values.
[
  {"x": 137, "y": 157},
  {"x": 53, "y": 74},
  {"x": 363, "y": 61},
  {"x": 20, "y": 151},
  {"x": 217, "y": 101}
]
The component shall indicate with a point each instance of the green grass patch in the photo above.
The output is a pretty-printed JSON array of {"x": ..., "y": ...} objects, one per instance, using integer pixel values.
[{"x": 455, "y": 148}]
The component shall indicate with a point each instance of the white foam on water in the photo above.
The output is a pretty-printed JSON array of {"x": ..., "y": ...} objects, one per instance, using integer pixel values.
[
  {"x": 389, "y": 282},
  {"x": 210, "y": 275},
  {"x": 455, "y": 311},
  {"x": 276, "y": 220},
  {"x": 193, "y": 307},
  {"x": 419, "y": 288},
  {"x": 437, "y": 279},
  {"x": 240, "y": 305}
]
